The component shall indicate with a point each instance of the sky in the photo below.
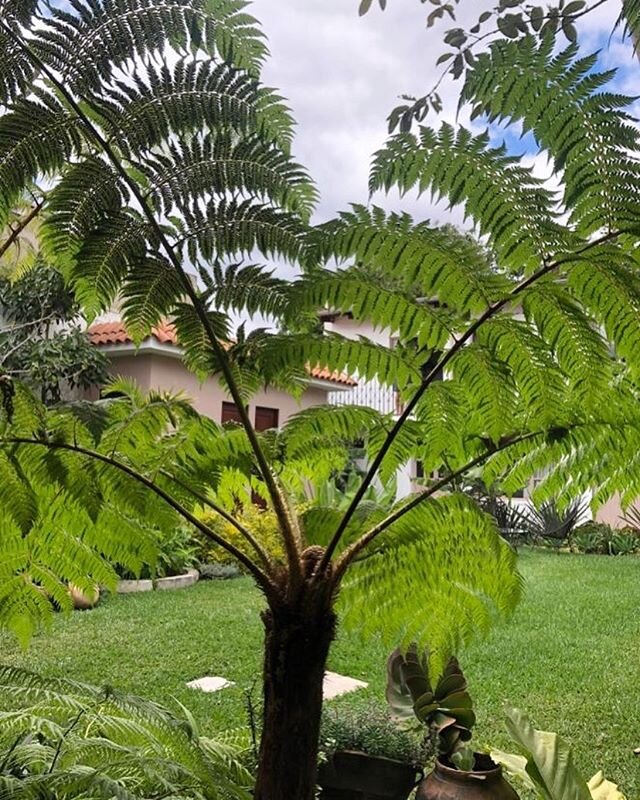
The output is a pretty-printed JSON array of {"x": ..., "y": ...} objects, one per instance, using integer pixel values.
[{"x": 342, "y": 74}]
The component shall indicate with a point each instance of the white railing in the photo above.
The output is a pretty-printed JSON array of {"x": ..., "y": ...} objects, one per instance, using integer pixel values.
[{"x": 368, "y": 393}]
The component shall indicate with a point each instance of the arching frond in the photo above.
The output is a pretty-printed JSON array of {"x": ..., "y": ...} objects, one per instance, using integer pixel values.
[
  {"x": 79, "y": 741},
  {"x": 97, "y": 37},
  {"x": 213, "y": 164},
  {"x": 37, "y": 137},
  {"x": 353, "y": 291},
  {"x": 414, "y": 256},
  {"x": 283, "y": 353},
  {"x": 587, "y": 132},
  {"x": 189, "y": 96},
  {"x": 250, "y": 289},
  {"x": 440, "y": 575},
  {"x": 237, "y": 228},
  {"x": 504, "y": 199}
]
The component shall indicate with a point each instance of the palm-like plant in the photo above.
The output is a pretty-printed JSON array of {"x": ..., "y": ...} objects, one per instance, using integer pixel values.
[{"x": 163, "y": 153}]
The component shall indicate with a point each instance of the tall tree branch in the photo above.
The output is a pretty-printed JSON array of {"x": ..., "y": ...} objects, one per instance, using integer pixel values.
[
  {"x": 290, "y": 536},
  {"x": 20, "y": 226},
  {"x": 442, "y": 363}
]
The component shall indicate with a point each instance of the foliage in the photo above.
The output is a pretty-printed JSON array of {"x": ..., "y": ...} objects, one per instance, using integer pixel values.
[
  {"x": 83, "y": 741},
  {"x": 547, "y": 764},
  {"x": 41, "y": 340},
  {"x": 446, "y": 709},
  {"x": 598, "y": 537},
  {"x": 174, "y": 553},
  {"x": 262, "y": 523},
  {"x": 550, "y": 525},
  {"x": 511, "y": 20},
  {"x": 368, "y": 729}
]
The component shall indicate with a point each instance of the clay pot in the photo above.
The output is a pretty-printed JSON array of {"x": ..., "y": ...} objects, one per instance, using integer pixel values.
[
  {"x": 350, "y": 775},
  {"x": 484, "y": 783},
  {"x": 82, "y": 601}
]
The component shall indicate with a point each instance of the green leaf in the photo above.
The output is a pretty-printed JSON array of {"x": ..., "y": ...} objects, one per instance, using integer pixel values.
[
  {"x": 365, "y": 5},
  {"x": 549, "y": 760}
]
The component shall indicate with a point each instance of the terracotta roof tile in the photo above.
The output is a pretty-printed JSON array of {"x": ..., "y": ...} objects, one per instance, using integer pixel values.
[{"x": 115, "y": 332}]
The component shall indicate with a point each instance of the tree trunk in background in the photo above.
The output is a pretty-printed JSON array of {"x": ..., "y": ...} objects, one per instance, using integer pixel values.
[{"x": 297, "y": 642}]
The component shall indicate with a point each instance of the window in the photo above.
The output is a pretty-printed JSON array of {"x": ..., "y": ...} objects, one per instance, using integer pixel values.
[
  {"x": 230, "y": 413},
  {"x": 266, "y": 418}
]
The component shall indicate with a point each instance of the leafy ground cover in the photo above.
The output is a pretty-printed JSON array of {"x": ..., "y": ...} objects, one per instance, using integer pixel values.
[{"x": 569, "y": 656}]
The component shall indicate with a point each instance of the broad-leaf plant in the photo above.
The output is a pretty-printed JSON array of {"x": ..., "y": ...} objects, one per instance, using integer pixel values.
[{"x": 161, "y": 156}]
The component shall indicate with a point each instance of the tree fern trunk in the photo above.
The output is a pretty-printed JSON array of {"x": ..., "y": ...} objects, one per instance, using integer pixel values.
[{"x": 297, "y": 642}]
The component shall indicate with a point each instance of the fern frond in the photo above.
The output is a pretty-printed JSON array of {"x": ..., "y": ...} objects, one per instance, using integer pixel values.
[
  {"x": 505, "y": 200},
  {"x": 38, "y": 136},
  {"x": 237, "y": 228},
  {"x": 455, "y": 571},
  {"x": 190, "y": 96},
  {"x": 414, "y": 256},
  {"x": 105, "y": 744},
  {"x": 370, "y": 300},
  {"x": 246, "y": 288},
  {"x": 95, "y": 37},
  {"x": 557, "y": 98},
  {"x": 283, "y": 353},
  {"x": 218, "y": 162}
]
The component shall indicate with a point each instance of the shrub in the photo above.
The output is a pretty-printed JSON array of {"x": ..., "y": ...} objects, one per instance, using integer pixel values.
[
  {"x": 598, "y": 537},
  {"x": 370, "y": 730},
  {"x": 262, "y": 524}
]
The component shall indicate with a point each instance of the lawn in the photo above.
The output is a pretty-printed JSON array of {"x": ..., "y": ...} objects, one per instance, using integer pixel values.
[{"x": 570, "y": 656}]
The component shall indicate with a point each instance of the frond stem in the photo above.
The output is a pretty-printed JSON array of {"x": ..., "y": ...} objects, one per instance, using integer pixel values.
[
  {"x": 291, "y": 540},
  {"x": 259, "y": 576},
  {"x": 22, "y": 224},
  {"x": 490, "y": 312}
]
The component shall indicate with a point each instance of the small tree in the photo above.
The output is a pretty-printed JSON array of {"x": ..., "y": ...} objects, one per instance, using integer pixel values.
[
  {"x": 162, "y": 149},
  {"x": 41, "y": 339}
]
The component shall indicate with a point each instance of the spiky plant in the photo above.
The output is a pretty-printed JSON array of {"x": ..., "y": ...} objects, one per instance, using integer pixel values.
[
  {"x": 64, "y": 739},
  {"x": 161, "y": 152}
]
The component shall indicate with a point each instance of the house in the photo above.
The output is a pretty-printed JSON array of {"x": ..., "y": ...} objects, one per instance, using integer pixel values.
[{"x": 157, "y": 364}]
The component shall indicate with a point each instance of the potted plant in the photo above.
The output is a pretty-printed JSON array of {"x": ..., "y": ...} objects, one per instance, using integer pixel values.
[
  {"x": 365, "y": 755},
  {"x": 446, "y": 709}
]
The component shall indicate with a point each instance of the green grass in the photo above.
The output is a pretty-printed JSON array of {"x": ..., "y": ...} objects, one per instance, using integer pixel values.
[{"x": 569, "y": 657}]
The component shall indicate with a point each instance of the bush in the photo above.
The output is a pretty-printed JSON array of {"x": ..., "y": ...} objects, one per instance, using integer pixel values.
[
  {"x": 598, "y": 537},
  {"x": 371, "y": 730},
  {"x": 262, "y": 523},
  {"x": 177, "y": 553}
]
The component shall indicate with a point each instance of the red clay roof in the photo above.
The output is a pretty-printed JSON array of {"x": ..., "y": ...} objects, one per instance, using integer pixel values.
[{"x": 115, "y": 332}]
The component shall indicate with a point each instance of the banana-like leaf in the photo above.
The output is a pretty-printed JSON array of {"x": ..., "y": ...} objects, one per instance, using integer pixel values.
[
  {"x": 602, "y": 789},
  {"x": 549, "y": 760}
]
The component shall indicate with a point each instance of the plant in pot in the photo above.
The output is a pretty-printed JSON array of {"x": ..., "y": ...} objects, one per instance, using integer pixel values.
[
  {"x": 365, "y": 755},
  {"x": 446, "y": 709}
]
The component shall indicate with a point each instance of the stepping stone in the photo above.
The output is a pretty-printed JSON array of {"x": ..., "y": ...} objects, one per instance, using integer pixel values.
[
  {"x": 210, "y": 683},
  {"x": 335, "y": 685}
]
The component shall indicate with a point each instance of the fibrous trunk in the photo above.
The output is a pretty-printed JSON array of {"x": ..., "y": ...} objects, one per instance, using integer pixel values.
[{"x": 297, "y": 642}]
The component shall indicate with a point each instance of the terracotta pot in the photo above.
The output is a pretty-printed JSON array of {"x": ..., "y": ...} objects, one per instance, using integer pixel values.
[
  {"x": 82, "y": 601},
  {"x": 484, "y": 783},
  {"x": 350, "y": 775}
]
